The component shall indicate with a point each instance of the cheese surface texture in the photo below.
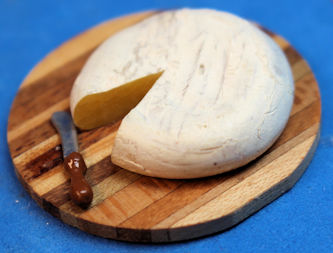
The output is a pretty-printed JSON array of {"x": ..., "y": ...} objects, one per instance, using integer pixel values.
[{"x": 222, "y": 96}]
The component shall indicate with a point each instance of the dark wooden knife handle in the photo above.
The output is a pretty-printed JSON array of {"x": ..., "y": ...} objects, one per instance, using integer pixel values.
[{"x": 81, "y": 191}]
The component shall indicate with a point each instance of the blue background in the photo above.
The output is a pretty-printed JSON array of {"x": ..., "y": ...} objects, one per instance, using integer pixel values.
[{"x": 299, "y": 221}]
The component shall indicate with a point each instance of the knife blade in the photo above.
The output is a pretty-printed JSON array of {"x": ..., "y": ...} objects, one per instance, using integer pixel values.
[
  {"x": 65, "y": 127},
  {"x": 81, "y": 192}
]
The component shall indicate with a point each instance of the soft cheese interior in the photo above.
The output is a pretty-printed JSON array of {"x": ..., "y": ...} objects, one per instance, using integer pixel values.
[{"x": 222, "y": 96}]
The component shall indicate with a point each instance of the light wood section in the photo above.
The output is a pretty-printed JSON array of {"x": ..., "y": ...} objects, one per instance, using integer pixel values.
[{"x": 128, "y": 206}]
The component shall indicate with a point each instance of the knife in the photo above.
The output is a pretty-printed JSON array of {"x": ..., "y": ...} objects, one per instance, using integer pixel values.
[{"x": 81, "y": 192}]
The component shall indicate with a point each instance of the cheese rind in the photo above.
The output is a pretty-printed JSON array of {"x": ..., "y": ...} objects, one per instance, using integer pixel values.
[{"x": 224, "y": 97}]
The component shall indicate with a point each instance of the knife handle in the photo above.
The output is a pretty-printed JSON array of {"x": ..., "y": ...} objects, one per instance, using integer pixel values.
[{"x": 81, "y": 191}]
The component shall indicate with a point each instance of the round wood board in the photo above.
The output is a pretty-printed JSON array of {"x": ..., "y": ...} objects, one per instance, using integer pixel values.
[{"x": 131, "y": 207}]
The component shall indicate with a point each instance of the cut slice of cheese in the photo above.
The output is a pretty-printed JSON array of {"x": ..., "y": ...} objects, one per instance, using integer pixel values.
[
  {"x": 105, "y": 107},
  {"x": 222, "y": 95}
]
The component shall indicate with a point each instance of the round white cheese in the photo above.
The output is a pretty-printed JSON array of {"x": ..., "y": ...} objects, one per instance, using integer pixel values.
[{"x": 223, "y": 99}]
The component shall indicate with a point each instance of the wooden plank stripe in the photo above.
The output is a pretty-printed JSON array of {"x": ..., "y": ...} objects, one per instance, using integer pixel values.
[
  {"x": 281, "y": 41},
  {"x": 30, "y": 139},
  {"x": 124, "y": 203},
  {"x": 299, "y": 122},
  {"x": 49, "y": 180},
  {"x": 305, "y": 93},
  {"x": 253, "y": 185},
  {"x": 36, "y": 151},
  {"x": 37, "y": 120},
  {"x": 300, "y": 69},
  {"x": 35, "y": 136},
  {"x": 88, "y": 138},
  {"x": 113, "y": 184},
  {"x": 105, "y": 188},
  {"x": 44, "y": 163},
  {"x": 267, "y": 31},
  {"x": 174, "y": 200},
  {"x": 292, "y": 55}
]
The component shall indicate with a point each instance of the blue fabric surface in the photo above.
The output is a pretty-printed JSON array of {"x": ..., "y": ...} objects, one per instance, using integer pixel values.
[{"x": 299, "y": 221}]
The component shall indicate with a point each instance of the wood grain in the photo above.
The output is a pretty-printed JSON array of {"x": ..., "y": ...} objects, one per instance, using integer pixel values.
[{"x": 132, "y": 207}]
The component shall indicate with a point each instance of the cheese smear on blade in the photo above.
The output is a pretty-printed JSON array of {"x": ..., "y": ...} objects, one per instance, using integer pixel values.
[{"x": 219, "y": 93}]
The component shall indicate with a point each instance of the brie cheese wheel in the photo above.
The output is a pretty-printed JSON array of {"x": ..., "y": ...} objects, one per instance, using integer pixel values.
[{"x": 204, "y": 92}]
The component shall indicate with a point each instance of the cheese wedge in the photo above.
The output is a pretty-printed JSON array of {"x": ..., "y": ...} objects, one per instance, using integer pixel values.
[
  {"x": 203, "y": 92},
  {"x": 99, "y": 109}
]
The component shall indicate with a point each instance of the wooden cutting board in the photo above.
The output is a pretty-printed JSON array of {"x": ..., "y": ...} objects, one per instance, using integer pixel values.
[{"x": 131, "y": 207}]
